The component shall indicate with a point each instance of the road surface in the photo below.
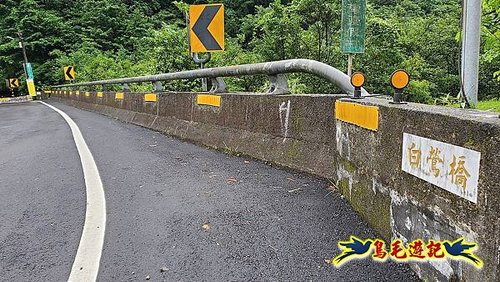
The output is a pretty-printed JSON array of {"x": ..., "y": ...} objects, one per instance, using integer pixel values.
[{"x": 174, "y": 211}]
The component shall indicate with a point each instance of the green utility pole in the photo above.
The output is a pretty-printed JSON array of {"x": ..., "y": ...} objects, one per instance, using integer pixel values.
[{"x": 28, "y": 69}]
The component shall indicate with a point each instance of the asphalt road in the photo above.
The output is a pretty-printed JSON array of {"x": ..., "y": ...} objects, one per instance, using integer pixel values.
[{"x": 198, "y": 214}]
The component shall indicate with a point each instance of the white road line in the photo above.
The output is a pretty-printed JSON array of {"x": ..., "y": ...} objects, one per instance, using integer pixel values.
[{"x": 87, "y": 259}]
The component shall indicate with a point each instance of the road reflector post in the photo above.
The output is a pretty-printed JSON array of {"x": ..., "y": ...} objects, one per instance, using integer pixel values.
[
  {"x": 100, "y": 94},
  {"x": 151, "y": 97},
  {"x": 354, "y": 113},
  {"x": 208, "y": 100},
  {"x": 358, "y": 80},
  {"x": 119, "y": 96},
  {"x": 399, "y": 80}
]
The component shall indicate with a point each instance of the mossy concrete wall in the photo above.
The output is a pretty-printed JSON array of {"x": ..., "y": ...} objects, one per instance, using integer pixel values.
[{"x": 301, "y": 132}]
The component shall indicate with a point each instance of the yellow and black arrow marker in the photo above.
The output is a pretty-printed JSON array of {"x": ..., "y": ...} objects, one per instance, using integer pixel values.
[
  {"x": 206, "y": 32},
  {"x": 69, "y": 73},
  {"x": 13, "y": 83}
]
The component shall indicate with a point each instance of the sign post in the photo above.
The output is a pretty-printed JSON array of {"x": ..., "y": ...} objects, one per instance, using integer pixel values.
[
  {"x": 12, "y": 84},
  {"x": 206, "y": 32},
  {"x": 353, "y": 30}
]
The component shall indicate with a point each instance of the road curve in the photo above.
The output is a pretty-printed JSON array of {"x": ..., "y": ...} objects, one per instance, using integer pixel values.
[
  {"x": 88, "y": 257},
  {"x": 175, "y": 211}
]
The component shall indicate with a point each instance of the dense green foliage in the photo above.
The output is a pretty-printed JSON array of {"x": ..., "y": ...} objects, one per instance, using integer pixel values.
[{"x": 118, "y": 38}]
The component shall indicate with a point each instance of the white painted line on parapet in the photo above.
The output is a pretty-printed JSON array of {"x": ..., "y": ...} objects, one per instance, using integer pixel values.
[{"x": 87, "y": 259}]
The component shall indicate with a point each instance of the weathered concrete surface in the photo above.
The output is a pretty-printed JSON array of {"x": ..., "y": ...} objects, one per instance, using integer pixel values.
[
  {"x": 300, "y": 132},
  {"x": 14, "y": 100},
  {"x": 371, "y": 164}
]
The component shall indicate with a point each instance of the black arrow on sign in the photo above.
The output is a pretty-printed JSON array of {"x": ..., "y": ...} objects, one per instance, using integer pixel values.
[
  {"x": 14, "y": 83},
  {"x": 68, "y": 73},
  {"x": 200, "y": 28}
]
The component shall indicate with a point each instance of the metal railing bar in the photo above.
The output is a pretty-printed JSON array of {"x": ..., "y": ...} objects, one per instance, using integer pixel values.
[{"x": 316, "y": 68}]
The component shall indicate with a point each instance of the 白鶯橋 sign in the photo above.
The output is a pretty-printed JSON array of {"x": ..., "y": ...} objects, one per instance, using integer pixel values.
[
  {"x": 353, "y": 26},
  {"x": 206, "y": 28},
  {"x": 453, "y": 168}
]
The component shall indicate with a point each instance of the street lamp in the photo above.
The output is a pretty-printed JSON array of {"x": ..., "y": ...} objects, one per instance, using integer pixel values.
[{"x": 21, "y": 46}]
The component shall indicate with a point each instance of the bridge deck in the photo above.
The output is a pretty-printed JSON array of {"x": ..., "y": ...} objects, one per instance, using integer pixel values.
[{"x": 201, "y": 214}]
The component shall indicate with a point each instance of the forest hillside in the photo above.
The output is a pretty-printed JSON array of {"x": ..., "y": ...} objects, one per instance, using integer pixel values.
[{"x": 118, "y": 38}]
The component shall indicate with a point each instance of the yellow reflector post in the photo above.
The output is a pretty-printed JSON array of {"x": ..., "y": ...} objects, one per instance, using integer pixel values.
[
  {"x": 358, "y": 79},
  {"x": 150, "y": 97},
  {"x": 119, "y": 96},
  {"x": 77, "y": 93},
  {"x": 357, "y": 114},
  {"x": 87, "y": 94},
  {"x": 400, "y": 79},
  {"x": 209, "y": 100},
  {"x": 100, "y": 94}
]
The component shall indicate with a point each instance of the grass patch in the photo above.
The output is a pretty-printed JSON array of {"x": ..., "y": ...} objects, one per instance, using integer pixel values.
[
  {"x": 492, "y": 105},
  {"x": 489, "y": 105}
]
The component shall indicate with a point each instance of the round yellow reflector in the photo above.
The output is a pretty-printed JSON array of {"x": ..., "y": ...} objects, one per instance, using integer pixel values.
[
  {"x": 400, "y": 79},
  {"x": 358, "y": 79}
]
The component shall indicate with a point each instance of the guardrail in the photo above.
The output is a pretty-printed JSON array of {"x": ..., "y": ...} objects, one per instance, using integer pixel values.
[{"x": 275, "y": 70}]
